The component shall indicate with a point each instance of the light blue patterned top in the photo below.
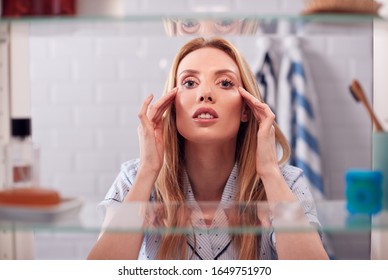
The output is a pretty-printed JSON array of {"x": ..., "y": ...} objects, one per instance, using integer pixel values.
[{"x": 213, "y": 244}]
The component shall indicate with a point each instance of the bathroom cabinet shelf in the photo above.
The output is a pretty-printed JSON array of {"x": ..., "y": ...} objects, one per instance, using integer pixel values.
[
  {"x": 333, "y": 216},
  {"x": 147, "y": 17},
  {"x": 151, "y": 23}
]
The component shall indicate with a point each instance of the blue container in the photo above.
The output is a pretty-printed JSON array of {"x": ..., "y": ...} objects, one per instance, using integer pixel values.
[{"x": 363, "y": 191}]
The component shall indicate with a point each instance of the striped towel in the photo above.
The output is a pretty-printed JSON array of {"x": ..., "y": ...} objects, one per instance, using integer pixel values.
[
  {"x": 297, "y": 115},
  {"x": 265, "y": 75}
]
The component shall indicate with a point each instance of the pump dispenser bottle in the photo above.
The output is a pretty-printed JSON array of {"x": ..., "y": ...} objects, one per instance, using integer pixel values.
[{"x": 21, "y": 156}]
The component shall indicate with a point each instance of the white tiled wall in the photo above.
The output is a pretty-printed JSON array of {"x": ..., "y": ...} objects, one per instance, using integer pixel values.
[{"x": 89, "y": 79}]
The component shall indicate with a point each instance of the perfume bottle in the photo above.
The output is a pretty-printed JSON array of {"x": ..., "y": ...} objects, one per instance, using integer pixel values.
[{"x": 21, "y": 156}]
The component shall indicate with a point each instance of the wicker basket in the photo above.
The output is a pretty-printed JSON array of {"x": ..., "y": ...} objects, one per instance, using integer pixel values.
[{"x": 342, "y": 6}]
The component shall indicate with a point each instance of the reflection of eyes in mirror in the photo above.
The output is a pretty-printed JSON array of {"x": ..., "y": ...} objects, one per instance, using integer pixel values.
[{"x": 192, "y": 26}]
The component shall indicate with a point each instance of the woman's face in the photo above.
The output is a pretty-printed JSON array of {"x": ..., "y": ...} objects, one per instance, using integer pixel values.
[{"x": 208, "y": 104}]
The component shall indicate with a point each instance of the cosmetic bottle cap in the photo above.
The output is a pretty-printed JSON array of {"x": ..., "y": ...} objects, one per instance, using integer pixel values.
[{"x": 21, "y": 127}]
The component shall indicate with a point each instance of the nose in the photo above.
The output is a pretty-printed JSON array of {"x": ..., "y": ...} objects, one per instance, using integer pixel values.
[
  {"x": 206, "y": 28},
  {"x": 208, "y": 98},
  {"x": 205, "y": 96}
]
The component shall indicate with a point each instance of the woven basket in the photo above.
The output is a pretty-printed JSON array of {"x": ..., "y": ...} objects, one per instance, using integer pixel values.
[{"x": 342, "y": 6}]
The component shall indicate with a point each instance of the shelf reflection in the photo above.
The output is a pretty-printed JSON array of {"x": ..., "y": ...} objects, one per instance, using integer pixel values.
[
  {"x": 233, "y": 218},
  {"x": 221, "y": 24}
]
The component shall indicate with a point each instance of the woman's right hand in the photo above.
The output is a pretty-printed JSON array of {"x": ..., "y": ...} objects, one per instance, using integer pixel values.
[{"x": 150, "y": 132}]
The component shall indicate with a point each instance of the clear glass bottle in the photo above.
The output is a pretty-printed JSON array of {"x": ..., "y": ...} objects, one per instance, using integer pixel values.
[{"x": 21, "y": 156}]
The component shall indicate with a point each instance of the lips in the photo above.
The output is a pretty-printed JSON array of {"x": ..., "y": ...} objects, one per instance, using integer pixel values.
[{"x": 205, "y": 113}]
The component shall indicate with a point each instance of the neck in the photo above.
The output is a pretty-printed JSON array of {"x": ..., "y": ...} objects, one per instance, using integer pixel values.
[{"x": 208, "y": 168}]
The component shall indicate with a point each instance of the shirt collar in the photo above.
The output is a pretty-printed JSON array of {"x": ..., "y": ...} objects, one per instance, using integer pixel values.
[
  {"x": 209, "y": 242},
  {"x": 230, "y": 191}
]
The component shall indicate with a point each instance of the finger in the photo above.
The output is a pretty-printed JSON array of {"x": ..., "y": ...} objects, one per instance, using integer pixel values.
[
  {"x": 269, "y": 117},
  {"x": 142, "y": 115},
  {"x": 249, "y": 98},
  {"x": 156, "y": 111},
  {"x": 144, "y": 108},
  {"x": 160, "y": 111},
  {"x": 162, "y": 103},
  {"x": 256, "y": 106}
]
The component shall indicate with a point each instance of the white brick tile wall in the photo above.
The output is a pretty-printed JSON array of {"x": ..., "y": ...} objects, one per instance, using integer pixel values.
[
  {"x": 40, "y": 47},
  {"x": 53, "y": 70},
  {"x": 92, "y": 116},
  {"x": 95, "y": 69},
  {"x": 259, "y": 6},
  {"x": 339, "y": 46},
  {"x": 45, "y": 138},
  {"x": 89, "y": 79},
  {"x": 76, "y": 184},
  {"x": 115, "y": 140},
  {"x": 94, "y": 162},
  {"x": 106, "y": 178},
  {"x": 155, "y": 6},
  {"x": 81, "y": 47},
  {"x": 124, "y": 92},
  {"x": 52, "y": 161},
  {"x": 68, "y": 94},
  {"x": 49, "y": 116},
  {"x": 116, "y": 46},
  {"x": 74, "y": 140},
  {"x": 140, "y": 28},
  {"x": 128, "y": 115},
  {"x": 42, "y": 94}
]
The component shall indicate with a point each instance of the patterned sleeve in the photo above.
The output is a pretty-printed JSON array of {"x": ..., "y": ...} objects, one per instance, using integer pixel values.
[
  {"x": 300, "y": 188},
  {"x": 120, "y": 186}
]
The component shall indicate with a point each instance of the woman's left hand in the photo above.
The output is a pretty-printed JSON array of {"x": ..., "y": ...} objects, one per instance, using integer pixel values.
[{"x": 266, "y": 157}]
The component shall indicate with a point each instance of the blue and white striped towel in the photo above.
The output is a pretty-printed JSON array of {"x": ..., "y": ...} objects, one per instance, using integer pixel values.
[
  {"x": 298, "y": 115},
  {"x": 265, "y": 75}
]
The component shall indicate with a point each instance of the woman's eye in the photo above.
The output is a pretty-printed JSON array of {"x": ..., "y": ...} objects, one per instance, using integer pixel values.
[
  {"x": 225, "y": 26},
  {"x": 226, "y": 84},
  {"x": 190, "y": 25},
  {"x": 225, "y": 22},
  {"x": 188, "y": 83}
]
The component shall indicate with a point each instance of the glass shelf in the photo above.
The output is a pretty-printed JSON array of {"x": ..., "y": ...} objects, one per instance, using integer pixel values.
[
  {"x": 151, "y": 23},
  {"x": 146, "y": 17},
  {"x": 209, "y": 217}
]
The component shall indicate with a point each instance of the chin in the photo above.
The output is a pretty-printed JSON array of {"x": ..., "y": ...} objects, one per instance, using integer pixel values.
[{"x": 209, "y": 138}]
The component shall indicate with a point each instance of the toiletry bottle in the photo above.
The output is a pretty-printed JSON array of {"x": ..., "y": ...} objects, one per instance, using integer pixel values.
[{"x": 21, "y": 156}]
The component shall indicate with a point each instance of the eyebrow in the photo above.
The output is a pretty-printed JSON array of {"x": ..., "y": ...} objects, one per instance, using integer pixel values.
[
  {"x": 218, "y": 72},
  {"x": 188, "y": 71}
]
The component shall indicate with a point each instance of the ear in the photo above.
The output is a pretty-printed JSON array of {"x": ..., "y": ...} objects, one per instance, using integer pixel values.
[{"x": 244, "y": 113}]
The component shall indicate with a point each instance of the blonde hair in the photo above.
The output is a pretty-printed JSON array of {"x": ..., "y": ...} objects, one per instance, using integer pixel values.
[{"x": 250, "y": 188}]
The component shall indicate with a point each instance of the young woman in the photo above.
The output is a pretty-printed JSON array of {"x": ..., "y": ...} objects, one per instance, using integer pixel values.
[{"x": 210, "y": 138}]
